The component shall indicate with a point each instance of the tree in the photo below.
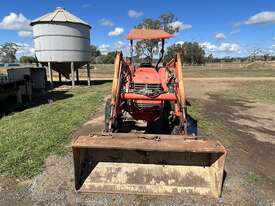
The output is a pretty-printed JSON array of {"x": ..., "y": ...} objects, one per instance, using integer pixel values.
[
  {"x": 254, "y": 52},
  {"x": 109, "y": 58},
  {"x": 27, "y": 59},
  {"x": 149, "y": 48},
  {"x": 7, "y": 52},
  {"x": 266, "y": 57},
  {"x": 99, "y": 59},
  {"x": 166, "y": 21},
  {"x": 94, "y": 53},
  {"x": 210, "y": 58},
  {"x": 190, "y": 52}
]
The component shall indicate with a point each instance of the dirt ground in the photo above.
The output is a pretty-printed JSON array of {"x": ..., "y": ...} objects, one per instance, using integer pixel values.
[{"x": 248, "y": 133}]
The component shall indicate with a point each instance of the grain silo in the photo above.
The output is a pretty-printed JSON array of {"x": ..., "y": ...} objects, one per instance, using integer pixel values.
[{"x": 62, "y": 42}]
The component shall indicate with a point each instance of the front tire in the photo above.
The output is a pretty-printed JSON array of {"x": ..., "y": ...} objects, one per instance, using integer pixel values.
[
  {"x": 177, "y": 130},
  {"x": 114, "y": 126},
  {"x": 108, "y": 109}
]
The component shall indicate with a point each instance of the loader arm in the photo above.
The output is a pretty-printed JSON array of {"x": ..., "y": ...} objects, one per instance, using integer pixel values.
[
  {"x": 176, "y": 65},
  {"x": 115, "y": 99}
]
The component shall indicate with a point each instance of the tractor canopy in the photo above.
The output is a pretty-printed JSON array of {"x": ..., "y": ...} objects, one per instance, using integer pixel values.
[{"x": 148, "y": 34}]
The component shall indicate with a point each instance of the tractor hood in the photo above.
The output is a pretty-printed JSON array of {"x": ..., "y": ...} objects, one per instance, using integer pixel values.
[{"x": 147, "y": 75}]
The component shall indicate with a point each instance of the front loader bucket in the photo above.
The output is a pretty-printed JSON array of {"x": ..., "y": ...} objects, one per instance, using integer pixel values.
[{"x": 148, "y": 164}]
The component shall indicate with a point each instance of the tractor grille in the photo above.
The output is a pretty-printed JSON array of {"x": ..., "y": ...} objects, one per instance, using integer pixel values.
[
  {"x": 140, "y": 86},
  {"x": 146, "y": 89}
]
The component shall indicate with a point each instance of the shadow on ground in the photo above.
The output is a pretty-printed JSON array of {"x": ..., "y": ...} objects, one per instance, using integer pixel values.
[
  {"x": 10, "y": 106},
  {"x": 81, "y": 83},
  {"x": 131, "y": 125}
]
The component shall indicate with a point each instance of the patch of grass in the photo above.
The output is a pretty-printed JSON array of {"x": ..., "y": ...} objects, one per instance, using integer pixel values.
[
  {"x": 211, "y": 70},
  {"x": 237, "y": 72},
  {"x": 255, "y": 178},
  {"x": 212, "y": 128},
  {"x": 208, "y": 126},
  {"x": 103, "y": 70},
  {"x": 27, "y": 138},
  {"x": 263, "y": 91}
]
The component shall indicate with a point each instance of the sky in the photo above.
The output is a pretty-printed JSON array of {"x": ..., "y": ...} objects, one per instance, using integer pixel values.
[{"x": 222, "y": 27}]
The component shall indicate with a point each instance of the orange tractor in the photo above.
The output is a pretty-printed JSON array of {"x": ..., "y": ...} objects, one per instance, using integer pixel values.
[
  {"x": 166, "y": 158},
  {"x": 151, "y": 93}
]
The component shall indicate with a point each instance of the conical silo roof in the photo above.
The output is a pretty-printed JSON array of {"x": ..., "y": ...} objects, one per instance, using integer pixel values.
[{"x": 59, "y": 15}]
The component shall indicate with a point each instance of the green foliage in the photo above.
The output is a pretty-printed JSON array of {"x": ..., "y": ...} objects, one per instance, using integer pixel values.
[
  {"x": 190, "y": 52},
  {"x": 109, "y": 58},
  {"x": 148, "y": 48},
  {"x": 94, "y": 54},
  {"x": 27, "y": 59},
  {"x": 27, "y": 138},
  {"x": 165, "y": 22},
  {"x": 98, "y": 58},
  {"x": 7, "y": 52}
]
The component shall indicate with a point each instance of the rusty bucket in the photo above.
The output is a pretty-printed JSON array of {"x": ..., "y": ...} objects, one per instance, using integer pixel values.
[{"x": 148, "y": 164}]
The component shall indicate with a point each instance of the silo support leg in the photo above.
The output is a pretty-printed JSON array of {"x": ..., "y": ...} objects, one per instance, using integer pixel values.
[
  {"x": 72, "y": 72},
  {"x": 50, "y": 74},
  {"x": 59, "y": 76},
  {"x": 88, "y": 75},
  {"x": 77, "y": 76}
]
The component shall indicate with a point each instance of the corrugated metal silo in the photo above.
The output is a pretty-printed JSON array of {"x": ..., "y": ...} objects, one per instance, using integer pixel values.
[{"x": 61, "y": 41}]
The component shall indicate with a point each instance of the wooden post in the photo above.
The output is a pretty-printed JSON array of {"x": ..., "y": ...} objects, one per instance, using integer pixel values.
[
  {"x": 50, "y": 74},
  {"x": 77, "y": 76},
  {"x": 88, "y": 75},
  {"x": 59, "y": 76},
  {"x": 72, "y": 72}
]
